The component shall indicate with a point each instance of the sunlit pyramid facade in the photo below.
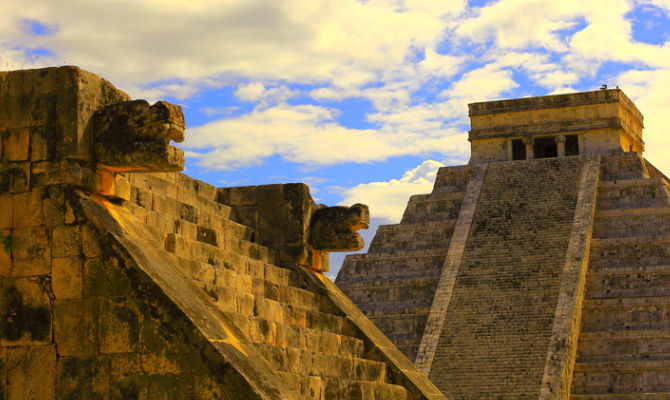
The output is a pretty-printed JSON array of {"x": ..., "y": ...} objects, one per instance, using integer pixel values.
[{"x": 539, "y": 270}]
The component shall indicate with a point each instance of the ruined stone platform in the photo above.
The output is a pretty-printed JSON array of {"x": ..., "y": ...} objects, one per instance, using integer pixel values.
[{"x": 121, "y": 278}]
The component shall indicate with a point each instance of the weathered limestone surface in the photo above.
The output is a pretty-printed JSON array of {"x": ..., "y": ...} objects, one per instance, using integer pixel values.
[
  {"x": 623, "y": 351},
  {"x": 495, "y": 337},
  {"x": 117, "y": 283},
  {"x": 394, "y": 284},
  {"x": 552, "y": 269}
]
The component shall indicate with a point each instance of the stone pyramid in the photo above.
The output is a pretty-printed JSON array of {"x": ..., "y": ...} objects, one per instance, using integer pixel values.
[
  {"x": 540, "y": 270},
  {"x": 121, "y": 278}
]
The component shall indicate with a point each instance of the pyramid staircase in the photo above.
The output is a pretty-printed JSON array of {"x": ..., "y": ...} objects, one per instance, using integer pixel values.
[
  {"x": 395, "y": 282},
  {"x": 624, "y": 346},
  {"x": 316, "y": 350}
]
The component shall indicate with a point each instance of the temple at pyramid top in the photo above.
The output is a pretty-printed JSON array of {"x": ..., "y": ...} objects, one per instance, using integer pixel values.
[{"x": 601, "y": 121}]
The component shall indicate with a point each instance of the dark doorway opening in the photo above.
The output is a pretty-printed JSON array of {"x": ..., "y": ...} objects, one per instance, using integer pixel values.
[
  {"x": 545, "y": 147},
  {"x": 518, "y": 150},
  {"x": 571, "y": 145}
]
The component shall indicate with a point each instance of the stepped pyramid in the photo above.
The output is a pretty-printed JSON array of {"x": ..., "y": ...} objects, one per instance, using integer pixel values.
[
  {"x": 540, "y": 270},
  {"x": 121, "y": 278}
]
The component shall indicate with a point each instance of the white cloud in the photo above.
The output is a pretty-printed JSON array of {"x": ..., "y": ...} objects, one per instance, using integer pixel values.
[
  {"x": 648, "y": 90},
  {"x": 309, "y": 135},
  {"x": 387, "y": 200},
  {"x": 200, "y": 42},
  {"x": 250, "y": 92},
  {"x": 519, "y": 24}
]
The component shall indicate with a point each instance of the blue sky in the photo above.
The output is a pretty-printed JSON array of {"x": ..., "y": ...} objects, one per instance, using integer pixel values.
[{"x": 361, "y": 99}]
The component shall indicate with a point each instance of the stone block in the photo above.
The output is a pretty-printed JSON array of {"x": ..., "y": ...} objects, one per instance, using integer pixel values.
[
  {"x": 162, "y": 363},
  {"x": 6, "y": 211},
  {"x": 245, "y": 304},
  {"x": 66, "y": 241},
  {"x": 5, "y": 252},
  {"x": 16, "y": 111},
  {"x": 270, "y": 195},
  {"x": 25, "y": 312},
  {"x": 16, "y": 144},
  {"x": 55, "y": 204},
  {"x": 164, "y": 387},
  {"x": 123, "y": 364},
  {"x": 104, "y": 278},
  {"x": 243, "y": 196},
  {"x": 156, "y": 339},
  {"x": 31, "y": 372},
  {"x": 208, "y": 387},
  {"x": 20, "y": 82},
  {"x": 31, "y": 251},
  {"x": 15, "y": 177},
  {"x": 41, "y": 146},
  {"x": 27, "y": 209},
  {"x": 112, "y": 185},
  {"x": 90, "y": 242},
  {"x": 44, "y": 109},
  {"x": 62, "y": 172},
  {"x": 82, "y": 378},
  {"x": 246, "y": 215},
  {"x": 66, "y": 277},
  {"x": 74, "y": 327},
  {"x": 118, "y": 326},
  {"x": 130, "y": 386},
  {"x": 3, "y": 372}
]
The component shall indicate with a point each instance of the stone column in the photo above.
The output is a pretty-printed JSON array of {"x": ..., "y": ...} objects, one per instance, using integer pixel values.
[
  {"x": 529, "y": 141},
  {"x": 560, "y": 145}
]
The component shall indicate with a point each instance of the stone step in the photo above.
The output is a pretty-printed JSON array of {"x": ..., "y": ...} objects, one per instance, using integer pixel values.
[
  {"x": 385, "y": 294},
  {"x": 405, "y": 327},
  {"x": 368, "y": 267},
  {"x": 622, "y": 396},
  {"x": 272, "y": 333},
  {"x": 628, "y": 282},
  {"x": 216, "y": 254},
  {"x": 624, "y": 345},
  {"x": 309, "y": 387},
  {"x": 401, "y": 238},
  {"x": 623, "y": 166},
  {"x": 432, "y": 207},
  {"x": 630, "y": 251},
  {"x": 188, "y": 219},
  {"x": 632, "y": 222},
  {"x": 632, "y": 193},
  {"x": 178, "y": 187},
  {"x": 634, "y": 313},
  {"x": 309, "y": 362},
  {"x": 625, "y": 377},
  {"x": 362, "y": 390},
  {"x": 451, "y": 179}
]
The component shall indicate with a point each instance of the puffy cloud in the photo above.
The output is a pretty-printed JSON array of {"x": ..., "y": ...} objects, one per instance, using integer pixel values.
[
  {"x": 519, "y": 24},
  {"x": 199, "y": 43},
  {"x": 250, "y": 91},
  {"x": 648, "y": 89},
  {"x": 387, "y": 200},
  {"x": 309, "y": 135}
]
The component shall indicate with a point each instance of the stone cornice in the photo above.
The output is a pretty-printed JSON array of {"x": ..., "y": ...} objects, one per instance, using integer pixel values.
[{"x": 554, "y": 101}]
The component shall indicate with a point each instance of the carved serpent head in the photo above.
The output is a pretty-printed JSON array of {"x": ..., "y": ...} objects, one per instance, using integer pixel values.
[{"x": 334, "y": 228}]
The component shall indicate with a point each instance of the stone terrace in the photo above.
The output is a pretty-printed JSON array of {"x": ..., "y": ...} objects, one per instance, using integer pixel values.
[{"x": 121, "y": 278}]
